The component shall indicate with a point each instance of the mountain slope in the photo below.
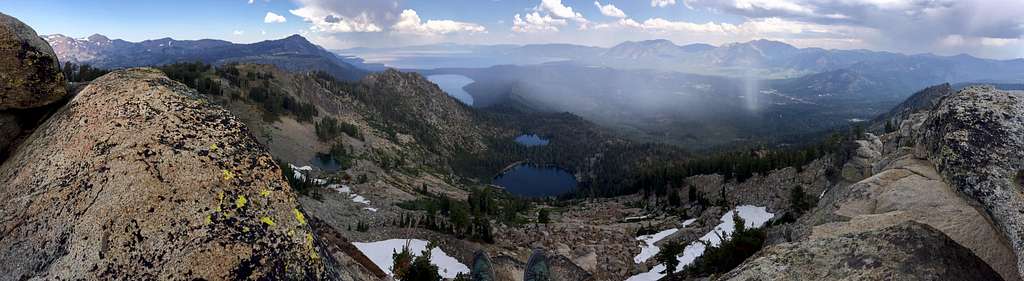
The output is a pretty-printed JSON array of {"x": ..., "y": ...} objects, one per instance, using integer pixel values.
[{"x": 293, "y": 53}]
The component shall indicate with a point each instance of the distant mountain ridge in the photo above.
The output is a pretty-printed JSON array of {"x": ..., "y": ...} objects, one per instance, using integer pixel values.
[
  {"x": 761, "y": 59},
  {"x": 292, "y": 53}
]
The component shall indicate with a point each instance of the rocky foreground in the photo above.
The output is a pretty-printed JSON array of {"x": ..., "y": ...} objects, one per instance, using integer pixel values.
[
  {"x": 950, "y": 172},
  {"x": 136, "y": 177}
]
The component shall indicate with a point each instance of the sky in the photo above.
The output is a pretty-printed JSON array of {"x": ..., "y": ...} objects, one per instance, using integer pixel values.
[{"x": 984, "y": 28}]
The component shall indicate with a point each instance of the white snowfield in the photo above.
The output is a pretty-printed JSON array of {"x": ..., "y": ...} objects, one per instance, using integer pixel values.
[
  {"x": 344, "y": 189},
  {"x": 754, "y": 217},
  {"x": 648, "y": 249},
  {"x": 380, "y": 253}
]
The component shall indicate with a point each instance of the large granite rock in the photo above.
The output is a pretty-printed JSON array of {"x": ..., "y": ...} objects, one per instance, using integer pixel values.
[
  {"x": 907, "y": 251},
  {"x": 135, "y": 179},
  {"x": 9, "y": 131},
  {"x": 30, "y": 75},
  {"x": 910, "y": 189},
  {"x": 976, "y": 140}
]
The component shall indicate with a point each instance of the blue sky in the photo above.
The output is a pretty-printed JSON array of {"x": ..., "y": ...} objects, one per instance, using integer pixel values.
[{"x": 987, "y": 28}]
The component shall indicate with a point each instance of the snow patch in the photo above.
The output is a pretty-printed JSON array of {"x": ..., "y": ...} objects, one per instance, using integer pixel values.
[
  {"x": 344, "y": 189},
  {"x": 647, "y": 247},
  {"x": 754, "y": 217},
  {"x": 689, "y": 222},
  {"x": 380, "y": 253}
]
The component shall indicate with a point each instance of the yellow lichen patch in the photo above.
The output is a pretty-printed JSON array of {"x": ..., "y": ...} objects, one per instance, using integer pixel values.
[
  {"x": 245, "y": 229},
  {"x": 220, "y": 200},
  {"x": 228, "y": 175},
  {"x": 213, "y": 147},
  {"x": 291, "y": 233},
  {"x": 265, "y": 193},
  {"x": 310, "y": 248},
  {"x": 309, "y": 241},
  {"x": 267, "y": 221},
  {"x": 209, "y": 219},
  {"x": 240, "y": 202},
  {"x": 299, "y": 217}
]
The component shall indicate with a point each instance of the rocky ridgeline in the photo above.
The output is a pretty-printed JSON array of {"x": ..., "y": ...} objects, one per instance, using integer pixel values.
[
  {"x": 950, "y": 153},
  {"x": 136, "y": 178}
]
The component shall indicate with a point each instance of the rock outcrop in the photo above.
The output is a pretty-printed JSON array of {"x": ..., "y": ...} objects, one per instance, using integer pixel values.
[
  {"x": 952, "y": 162},
  {"x": 30, "y": 75},
  {"x": 860, "y": 165},
  {"x": 907, "y": 251},
  {"x": 136, "y": 178},
  {"x": 910, "y": 189},
  {"x": 976, "y": 140}
]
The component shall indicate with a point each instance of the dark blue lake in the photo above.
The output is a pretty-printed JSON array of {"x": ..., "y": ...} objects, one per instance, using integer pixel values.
[
  {"x": 536, "y": 181},
  {"x": 325, "y": 163},
  {"x": 531, "y": 140},
  {"x": 453, "y": 84}
]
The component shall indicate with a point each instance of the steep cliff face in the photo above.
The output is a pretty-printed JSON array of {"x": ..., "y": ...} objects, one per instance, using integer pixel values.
[{"x": 136, "y": 178}]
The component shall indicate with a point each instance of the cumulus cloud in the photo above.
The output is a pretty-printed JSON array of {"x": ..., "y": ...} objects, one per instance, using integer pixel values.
[
  {"x": 238, "y": 32},
  {"x": 348, "y": 16},
  {"x": 556, "y": 9},
  {"x": 409, "y": 22},
  {"x": 662, "y": 3},
  {"x": 610, "y": 10},
  {"x": 271, "y": 17},
  {"x": 534, "y": 22}
]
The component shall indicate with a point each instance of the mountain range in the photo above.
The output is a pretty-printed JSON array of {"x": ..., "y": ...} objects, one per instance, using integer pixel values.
[
  {"x": 292, "y": 53},
  {"x": 762, "y": 59}
]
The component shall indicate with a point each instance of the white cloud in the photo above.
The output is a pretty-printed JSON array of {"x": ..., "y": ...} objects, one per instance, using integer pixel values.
[
  {"x": 663, "y": 25},
  {"x": 238, "y": 32},
  {"x": 333, "y": 16},
  {"x": 324, "y": 21},
  {"x": 610, "y": 10},
  {"x": 773, "y": 5},
  {"x": 556, "y": 9},
  {"x": 662, "y": 3},
  {"x": 252, "y": 1},
  {"x": 999, "y": 42},
  {"x": 534, "y": 22},
  {"x": 409, "y": 22},
  {"x": 271, "y": 17}
]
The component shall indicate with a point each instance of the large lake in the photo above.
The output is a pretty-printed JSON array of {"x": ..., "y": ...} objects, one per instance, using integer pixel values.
[
  {"x": 453, "y": 84},
  {"x": 536, "y": 181}
]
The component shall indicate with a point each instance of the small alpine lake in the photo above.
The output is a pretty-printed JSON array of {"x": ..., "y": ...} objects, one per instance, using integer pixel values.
[
  {"x": 531, "y": 140},
  {"x": 530, "y": 180}
]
